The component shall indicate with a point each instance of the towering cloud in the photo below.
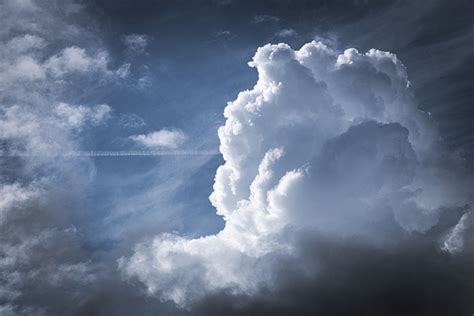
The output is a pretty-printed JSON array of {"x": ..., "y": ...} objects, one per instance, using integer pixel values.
[{"x": 327, "y": 143}]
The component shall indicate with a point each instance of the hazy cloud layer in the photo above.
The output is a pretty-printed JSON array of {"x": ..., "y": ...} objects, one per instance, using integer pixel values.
[{"x": 41, "y": 249}]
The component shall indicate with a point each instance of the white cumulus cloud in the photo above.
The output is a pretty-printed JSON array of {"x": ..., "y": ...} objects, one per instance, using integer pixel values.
[
  {"x": 75, "y": 59},
  {"x": 76, "y": 116},
  {"x": 326, "y": 141},
  {"x": 164, "y": 138}
]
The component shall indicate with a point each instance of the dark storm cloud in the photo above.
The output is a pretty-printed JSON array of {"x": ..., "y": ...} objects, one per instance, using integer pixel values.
[
  {"x": 352, "y": 277},
  {"x": 347, "y": 277},
  {"x": 412, "y": 276}
]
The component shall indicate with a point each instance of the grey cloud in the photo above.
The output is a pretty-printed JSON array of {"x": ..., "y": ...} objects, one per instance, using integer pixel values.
[
  {"x": 350, "y": 277},
  {"x": 44, "y": 265}
]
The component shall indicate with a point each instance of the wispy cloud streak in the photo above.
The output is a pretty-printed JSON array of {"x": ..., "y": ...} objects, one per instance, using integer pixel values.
[{"x": 115, "y": 153}]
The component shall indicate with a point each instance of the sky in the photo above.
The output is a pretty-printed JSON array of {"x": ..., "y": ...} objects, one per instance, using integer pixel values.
[{"x": 228, "y": 157}]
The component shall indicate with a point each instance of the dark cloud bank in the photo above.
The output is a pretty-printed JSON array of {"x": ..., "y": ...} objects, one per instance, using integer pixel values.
[{"x": 413, "y": 278}]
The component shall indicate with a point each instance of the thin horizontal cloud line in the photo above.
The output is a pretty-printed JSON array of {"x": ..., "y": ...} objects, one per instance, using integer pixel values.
[{"x": 115, "y": 153}]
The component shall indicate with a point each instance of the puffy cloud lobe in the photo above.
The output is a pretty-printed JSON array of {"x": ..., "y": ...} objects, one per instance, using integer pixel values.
[
  {"x": 325, "y": 141},
  {"x": 23, "y": 61},
  {"x": 75, "y": 59},
  {"x": 77, "y": 116},
  {"x": 24, "y": 43},
  {"x": 27, "y": 131},
  {"x": 164, "y": 138}
]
